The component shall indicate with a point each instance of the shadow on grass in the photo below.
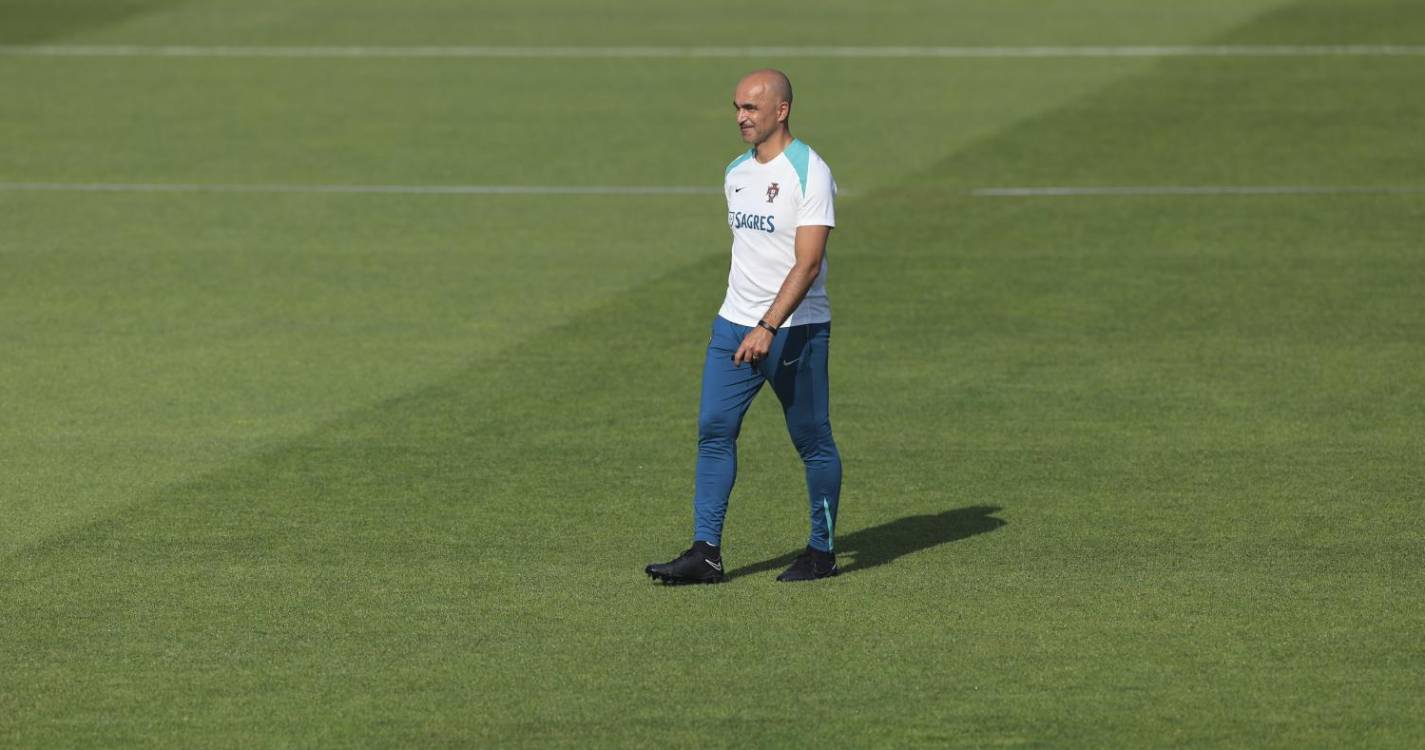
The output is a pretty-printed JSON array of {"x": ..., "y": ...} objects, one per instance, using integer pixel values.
[
  {"x": 33, "y": 22},
  {"x": 879, "y": 545}
]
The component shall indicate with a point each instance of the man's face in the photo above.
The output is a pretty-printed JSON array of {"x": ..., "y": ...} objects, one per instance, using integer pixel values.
[{"x": 758, "y": 111}]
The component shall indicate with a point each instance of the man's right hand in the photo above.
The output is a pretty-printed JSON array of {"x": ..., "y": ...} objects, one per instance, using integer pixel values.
[{"x": 755, "y": 346}]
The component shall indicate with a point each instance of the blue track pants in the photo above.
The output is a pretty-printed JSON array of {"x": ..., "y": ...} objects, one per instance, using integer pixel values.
[{"x": 796, "y": 366}]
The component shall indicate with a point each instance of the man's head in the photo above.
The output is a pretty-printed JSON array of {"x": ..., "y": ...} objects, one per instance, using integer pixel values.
[{"x": 763, "y": 100}]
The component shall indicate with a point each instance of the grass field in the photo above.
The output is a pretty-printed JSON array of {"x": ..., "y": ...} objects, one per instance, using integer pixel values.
[{"x": 296, "y": 469}]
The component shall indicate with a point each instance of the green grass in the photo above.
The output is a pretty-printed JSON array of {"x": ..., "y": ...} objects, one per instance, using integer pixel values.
[{"x": 320, "y": 470}]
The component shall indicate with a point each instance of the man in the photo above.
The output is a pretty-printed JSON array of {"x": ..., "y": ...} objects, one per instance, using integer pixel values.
[{"x": 773, "y": 327}]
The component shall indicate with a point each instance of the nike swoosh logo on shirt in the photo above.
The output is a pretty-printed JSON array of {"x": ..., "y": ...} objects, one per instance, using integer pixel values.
[
  {"x": 792, "y": 362},
  {"x": 715, "y": 566},
  {"x": 738, "y": 190}
]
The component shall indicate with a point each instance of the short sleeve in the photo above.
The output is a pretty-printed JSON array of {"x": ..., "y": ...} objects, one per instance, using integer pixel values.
[{"x": 818, "y": 206}]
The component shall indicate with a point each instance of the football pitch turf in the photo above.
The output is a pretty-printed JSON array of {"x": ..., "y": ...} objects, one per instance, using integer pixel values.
[{"x": 1135, "y": 464}]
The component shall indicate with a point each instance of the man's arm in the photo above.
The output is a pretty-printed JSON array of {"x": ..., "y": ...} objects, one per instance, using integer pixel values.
[{"x": 810, "y": 248}]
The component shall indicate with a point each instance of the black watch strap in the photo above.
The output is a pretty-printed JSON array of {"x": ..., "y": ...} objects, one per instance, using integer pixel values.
[{"x": 768, "y": 326}]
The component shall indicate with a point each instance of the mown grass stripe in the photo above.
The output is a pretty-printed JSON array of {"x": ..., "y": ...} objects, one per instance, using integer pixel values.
[
  {"x": 136, "y": 187},
  {"x": 1142, "y": 190},
  {"x": 664, "y": 52}
]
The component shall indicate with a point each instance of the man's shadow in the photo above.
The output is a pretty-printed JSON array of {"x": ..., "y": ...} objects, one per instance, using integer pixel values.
[{"x": 879, "y": 545}]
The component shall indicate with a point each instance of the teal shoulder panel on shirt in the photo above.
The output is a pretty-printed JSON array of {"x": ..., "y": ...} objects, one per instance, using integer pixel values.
[
  {"x": 798, "y": 154},
  {"x": 740, "y": 158}
]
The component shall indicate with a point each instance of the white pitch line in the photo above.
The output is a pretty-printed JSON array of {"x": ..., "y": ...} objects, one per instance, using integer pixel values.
[
  {"x": 1032, "y": 192},
  {"x": 130, "y": 187},
  {"x": 376, "y": 51}
]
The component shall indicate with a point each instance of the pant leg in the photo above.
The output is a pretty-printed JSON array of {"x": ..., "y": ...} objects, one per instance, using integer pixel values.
[
  {"x": 801, "y": 381},
  {"x": 727, "y": 392}
]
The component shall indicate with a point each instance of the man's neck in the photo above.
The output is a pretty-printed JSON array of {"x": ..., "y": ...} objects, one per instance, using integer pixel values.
[{"x": 775, "y": 144}]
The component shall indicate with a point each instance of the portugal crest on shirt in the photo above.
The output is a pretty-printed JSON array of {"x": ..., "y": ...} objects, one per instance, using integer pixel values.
[{"x": 772, "y": 191}]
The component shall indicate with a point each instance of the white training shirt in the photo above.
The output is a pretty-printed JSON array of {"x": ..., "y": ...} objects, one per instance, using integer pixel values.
[{"x": 765, "y": 205}]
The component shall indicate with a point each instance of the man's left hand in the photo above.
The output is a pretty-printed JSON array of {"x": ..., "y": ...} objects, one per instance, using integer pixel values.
[{"x": 755, "y": 346}]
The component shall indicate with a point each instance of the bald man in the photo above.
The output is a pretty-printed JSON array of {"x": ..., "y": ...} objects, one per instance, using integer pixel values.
[{"x": 774, "y": 327}]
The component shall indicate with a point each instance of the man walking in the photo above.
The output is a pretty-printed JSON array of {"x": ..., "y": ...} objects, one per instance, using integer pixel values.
[{"x": 774, "y": 327}]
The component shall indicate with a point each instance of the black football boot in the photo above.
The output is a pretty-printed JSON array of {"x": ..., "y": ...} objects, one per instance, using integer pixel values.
[
  {"x": 810, "y": 565},
  {"x": 702, "y": 563}
]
